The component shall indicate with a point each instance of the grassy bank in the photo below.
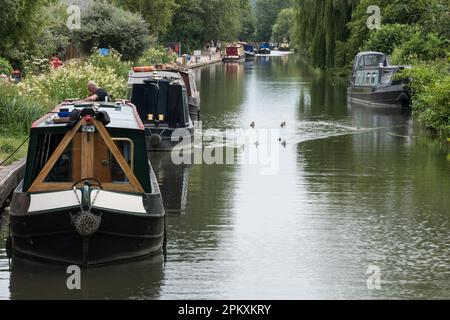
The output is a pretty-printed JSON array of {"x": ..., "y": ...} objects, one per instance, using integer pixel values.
[{"x": 8, "y": 145}]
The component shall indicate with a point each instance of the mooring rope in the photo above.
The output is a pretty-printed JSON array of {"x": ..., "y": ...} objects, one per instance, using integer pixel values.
[{"x": 15, "y": 151}]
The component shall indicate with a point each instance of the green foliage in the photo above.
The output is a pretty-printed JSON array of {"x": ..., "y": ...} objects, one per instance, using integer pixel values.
[
  {"x": 31, "y": 29},
  {"x": 156, "y": 55},
  {"x": 71, "y": 81},
  {"x": 197, "y": 22},
  {"x": 389, "y": 37},
  {"x": 112, "y": 61},
  {"x": 284, "y": 25},
  {"x": 266, "y": 16},
  {"x": 430, "y": 91},
  {"x": 157, "y": 13},
  {"x": 18, "y": 111},
  {"x": 248, "y": 21},
  {"x": 36, "y": 66},
  {"x": 321, "y": 26},
  {"x": 104, "y": 25},
  {"x": 422, "y": 47},
  {"x": 5, "y": 67}
]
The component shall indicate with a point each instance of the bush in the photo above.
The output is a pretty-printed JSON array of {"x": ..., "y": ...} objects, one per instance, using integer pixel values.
[
  {"x": 107, "y": 26},
  {"x": 156, "y": 55},
  {"x": 71, "y": 81},
  {"x": 113, "y": 60},
  {"x": 430, "y": 91},
  {"x": 36, "y": 66},
  {"x": 18, "y": 111},
  {"x": 421, "y": 47},
  {"x": 5, "y": 67},
  {"x": 389, "y": 37}
]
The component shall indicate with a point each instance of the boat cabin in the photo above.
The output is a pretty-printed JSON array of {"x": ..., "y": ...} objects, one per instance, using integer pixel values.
[
  {"x": 78, "y": 141},
  {"x": 139, "y": 75},
  {"x": 162, "y": 103},
  {"x": 372, "y": 69},
  {"x": 234, "y": 53}
]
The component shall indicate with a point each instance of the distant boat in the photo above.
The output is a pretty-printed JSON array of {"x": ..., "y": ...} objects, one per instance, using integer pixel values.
[
  {"x": 373, "y": 82},
  {"x": 264, "y": 48},
  {"x": 234, "y": 53},
  {"x": 284, "y": 46},
  {"x": 89, "y": 196},
  {"x": 249, "y": 50},
  {"x": 161, "y": 100}
]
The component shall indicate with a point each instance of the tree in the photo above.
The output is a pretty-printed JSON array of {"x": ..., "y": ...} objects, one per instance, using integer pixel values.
[
  {"x": 197, "y": 21},
  {"x": 105, "y": 25},
  {"x": 266, "y": 15},
  {"x": 248, "y": 21},
  {"x": 157, "y": 13},
  {"x": 24, "y": 29},
  {"x": 284, "y": 25}
]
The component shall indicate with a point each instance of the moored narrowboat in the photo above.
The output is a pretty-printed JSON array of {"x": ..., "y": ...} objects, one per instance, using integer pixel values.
[
  {"x": 234, "y": 53},
  {"x": 249, "y": 50},
  {"x": 373, "y": 82},
  {"x": 284, "y": 46},
  {"x": 264, "y": 48},
  {"x": 161, "y": 98},
  {"x": 89, "y": 196}
]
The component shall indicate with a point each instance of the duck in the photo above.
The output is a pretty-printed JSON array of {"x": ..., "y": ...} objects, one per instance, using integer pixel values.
[
  {"x": 253, "y": 125},
  {"x": 279, "y": 140},
  {"x": 284, "y": 143},
  {"x": 283, "y": 124}
]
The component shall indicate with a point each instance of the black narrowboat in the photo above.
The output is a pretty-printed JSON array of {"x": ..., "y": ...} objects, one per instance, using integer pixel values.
[
  {"x": 89, "y": 196},
  {"x": 161, "y": 99},
  {"x": 373, "y": 82}
]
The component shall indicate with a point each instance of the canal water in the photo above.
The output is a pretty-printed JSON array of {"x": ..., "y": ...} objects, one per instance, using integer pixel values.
[{"x": 357, "y": 207}]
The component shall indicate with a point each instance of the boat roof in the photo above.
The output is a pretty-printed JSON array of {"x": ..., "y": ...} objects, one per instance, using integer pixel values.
[
  {"x": 364, "y": 53},
  {"x": 122, "y": 113}
]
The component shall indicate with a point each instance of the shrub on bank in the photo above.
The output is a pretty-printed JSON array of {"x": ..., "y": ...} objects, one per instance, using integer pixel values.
[
  {"x": 430, "y": 91},
  {"x": 156, "y": 55},
  {"x": 389, "y": 37},
  {"x": 5, "y": 67},
  {"x": 113, "y": 61},
  {"x": 17, "y": 111},
  {"x": 71, "y": 81}
]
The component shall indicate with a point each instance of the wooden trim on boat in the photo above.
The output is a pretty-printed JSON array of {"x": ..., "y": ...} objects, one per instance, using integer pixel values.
[
  {"x": 38, "y": 183},
  {"x": 87, "y": 162}
]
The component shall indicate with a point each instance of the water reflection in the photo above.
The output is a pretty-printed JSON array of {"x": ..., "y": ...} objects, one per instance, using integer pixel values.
[
  {"x": 137, "y": 280},
  {"x": 173, "y": 181}
]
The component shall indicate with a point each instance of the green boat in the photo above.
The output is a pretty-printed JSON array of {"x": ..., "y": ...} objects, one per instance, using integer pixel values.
[{"x": 89, "y": 196}]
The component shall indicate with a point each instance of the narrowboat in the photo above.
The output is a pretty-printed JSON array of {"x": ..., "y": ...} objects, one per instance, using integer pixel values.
[
  {"x": 249, "y": 50},
  {"x": 373, "y": 82},
  {"x": 234, "y": 53},
  {"x": 284, "y": 46},
  {"x": 264, "y": 48},
  {"x": 89, "y": 196},
  {"x": 139, "y": 74},
  {"x": 161, "y": 98}
]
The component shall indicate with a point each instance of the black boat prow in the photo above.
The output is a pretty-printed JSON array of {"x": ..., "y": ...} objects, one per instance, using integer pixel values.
[{"x": 89, "y": 196}]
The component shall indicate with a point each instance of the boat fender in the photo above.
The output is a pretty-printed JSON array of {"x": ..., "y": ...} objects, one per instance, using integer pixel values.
[
  {"x": 86, "y": 223},
  {"x": 155, "y": 140},
  {"x": 103, "y": 117}
]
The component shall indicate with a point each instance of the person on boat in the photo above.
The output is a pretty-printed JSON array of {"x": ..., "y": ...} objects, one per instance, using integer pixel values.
[{"x": 96, "y": 93}]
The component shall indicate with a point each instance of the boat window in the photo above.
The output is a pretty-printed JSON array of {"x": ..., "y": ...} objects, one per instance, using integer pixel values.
[
  {"x": 387, "y": 76},
  {"x": 86, "y": 156},
  {"x": 371, "y": 60},
  {"x": 106, "y": 166}
]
